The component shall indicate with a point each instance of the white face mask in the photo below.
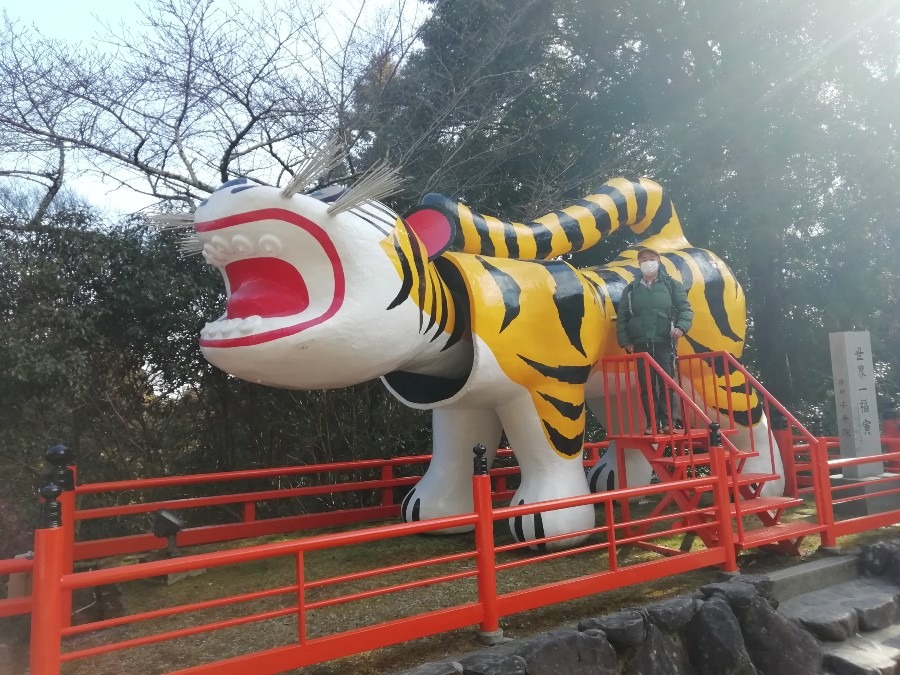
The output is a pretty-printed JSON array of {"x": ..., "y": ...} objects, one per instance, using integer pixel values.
[{"x": 649, "y": 267}]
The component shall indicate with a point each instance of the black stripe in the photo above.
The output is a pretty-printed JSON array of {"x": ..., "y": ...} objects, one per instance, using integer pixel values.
[
  {"x": 511, "y": 239},
  {"x": 509, "y": 289},
  {"x": 660, "y": 219},
  {"x": 542, "y": 239},
  {"x": 481, "y": 227},
  {"x": 517, "y": 525},
  {"x": 432, "y": 272},
  {"x": 740, "y": 416},
  {"x": 611, "y": 481},
  {"x": 719, "y": 366},
  {"x": 595, "y": 476},
  {"x": 566, "y": 409},
  {"x": 539, "y": 530},
  {"x": 602, "y": 220},
  {"x": 567, "y": 374},
  {"x": 384, "y": 209},
  {"x": 445, "y": 307},
  {"x": 378, "y": 227},
  {"x": 615, "y": 282},
  {"x": 389, "y": 220},
  {"x": 415, "y": 513},
  {"x": 419, "y": 263},
  {"x": 406, "y": 275},
  {"x": 405, "y": 503},
  {"x": 598, "y": 291},
  {"x": 620, "y": 200},
  {"x": 572, "y": 229},
  {"x": 713, "y": 290},
  {"x": 640, "y": 197},
  {"x": 458, "y": 296},
  {"x": 563, "y": 444},
  {"x": 568, "y": 296},
  {"x": 687, "y": 276}
]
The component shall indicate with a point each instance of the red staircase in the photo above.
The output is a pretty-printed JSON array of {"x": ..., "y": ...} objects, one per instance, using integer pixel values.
[{"x": 732, "y": 394}]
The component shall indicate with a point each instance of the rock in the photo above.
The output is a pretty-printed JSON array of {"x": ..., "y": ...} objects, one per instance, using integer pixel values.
[
  {"x": 874, "y": 558},
  {"x": 714, "y": 641},
  {"x": 483, "y": 663},
  {"x": 623, "y": 629},
  {"x": 657, "y": 655},
  {"x": 674, "y": 614},
  {"x": 776, "y": 645},
  {"x": 443, "y": 668},
  {"x": 737, "y": 593},
  {"x": 828, "y": 622},
  {"x": 874, "y": 611},
  {"x": 570, "y": 652},
  {"x": 893, "y": 567},
  {"x": 856, "y": 658},
  {"x": 763, "y": 585}
]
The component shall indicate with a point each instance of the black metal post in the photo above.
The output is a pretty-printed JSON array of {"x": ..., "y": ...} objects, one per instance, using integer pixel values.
[
  {"x": 57, "y": 477},
  {"x": 715, "y": 436},
  {"x": 481, "y": 468}
]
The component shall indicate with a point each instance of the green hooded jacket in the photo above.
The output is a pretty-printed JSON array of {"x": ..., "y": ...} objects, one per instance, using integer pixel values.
[{"x": 648, "y": 314}]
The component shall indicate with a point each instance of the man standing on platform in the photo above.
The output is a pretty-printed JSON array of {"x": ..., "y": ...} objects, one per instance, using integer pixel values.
[{"x": 653, "y": 313}]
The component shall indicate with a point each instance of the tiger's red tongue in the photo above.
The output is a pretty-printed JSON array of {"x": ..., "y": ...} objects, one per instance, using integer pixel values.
[{"x": 267, "y": 287}]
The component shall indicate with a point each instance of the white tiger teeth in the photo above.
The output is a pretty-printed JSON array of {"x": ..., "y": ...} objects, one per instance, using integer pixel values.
[
  {"x": 230, "y": 328},
  {"x": 241, "y": 244},
  {"x": 219, "y": 250},
  {"x": 250, "y": 324},
  {"x": 270, "y": 244}
]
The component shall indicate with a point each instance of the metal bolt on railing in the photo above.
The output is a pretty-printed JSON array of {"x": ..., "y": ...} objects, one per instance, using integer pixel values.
[
  {"x": 51, "y": 509},
  {"x": 715, "y": 436},
  {"x": 481, "y": 468}
]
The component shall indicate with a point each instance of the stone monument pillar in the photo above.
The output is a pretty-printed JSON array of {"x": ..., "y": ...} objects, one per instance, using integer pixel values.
[
  {"x": 854, "y": 393},
  {"x": 857, "y": 415}
]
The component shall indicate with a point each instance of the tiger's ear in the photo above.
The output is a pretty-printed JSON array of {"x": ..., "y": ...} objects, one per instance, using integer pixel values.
[{"x": 435, "y": 228}]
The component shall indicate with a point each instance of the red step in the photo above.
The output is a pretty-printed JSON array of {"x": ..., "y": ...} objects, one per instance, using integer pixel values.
[
  {"x": 775, "y": 533},
  {"x": 699, "y": 459},
  {"x": 761, "y": 504}
]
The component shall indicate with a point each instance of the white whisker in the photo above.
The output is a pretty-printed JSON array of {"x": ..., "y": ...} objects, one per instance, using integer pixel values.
[
  {"x": 327, "y": 158},
  {"x": 171, "y": 221},
  {"x": 189, "y": 245},
  {"x": 379, "y": 182}
]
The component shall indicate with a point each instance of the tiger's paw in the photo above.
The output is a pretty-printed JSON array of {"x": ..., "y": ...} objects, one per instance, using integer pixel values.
[
  {"x": 536, "y": 526},
  {"x": 431, "y": 498}
]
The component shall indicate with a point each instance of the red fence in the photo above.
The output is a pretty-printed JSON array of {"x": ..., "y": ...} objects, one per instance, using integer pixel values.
[
  {"x": 330, "y": 479},
  {"x": 485, "y": 563}
]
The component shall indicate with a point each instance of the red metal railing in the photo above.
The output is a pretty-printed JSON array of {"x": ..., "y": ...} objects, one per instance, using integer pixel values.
[
  {"x": 484, "y": 563},
  {"x": 250, "y": 525},
  {"x": 688, "y": 446}
]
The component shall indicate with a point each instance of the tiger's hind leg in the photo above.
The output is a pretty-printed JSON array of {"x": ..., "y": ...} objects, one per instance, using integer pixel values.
[
  {"x": 546, "y": 475},
  {"x": 446, "y": 487}
]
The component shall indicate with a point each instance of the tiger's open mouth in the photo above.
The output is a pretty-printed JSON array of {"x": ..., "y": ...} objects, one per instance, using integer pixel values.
[{"x": 271, "y": 260}]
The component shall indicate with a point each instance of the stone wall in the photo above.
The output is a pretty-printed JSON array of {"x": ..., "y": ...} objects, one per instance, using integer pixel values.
[{"x": 728, "y": 628}]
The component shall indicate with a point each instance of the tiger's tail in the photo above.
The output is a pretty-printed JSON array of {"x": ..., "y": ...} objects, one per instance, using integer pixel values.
[{"x": 639, "y": 204}]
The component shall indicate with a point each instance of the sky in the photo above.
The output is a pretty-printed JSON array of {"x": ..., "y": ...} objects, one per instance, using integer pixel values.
[{"x": 81, "y": 20}]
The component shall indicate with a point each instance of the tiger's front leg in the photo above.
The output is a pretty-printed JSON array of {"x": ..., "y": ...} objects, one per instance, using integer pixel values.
[
  {"x": 546, "y": 475},
  {"x": 446, "y": 487}
]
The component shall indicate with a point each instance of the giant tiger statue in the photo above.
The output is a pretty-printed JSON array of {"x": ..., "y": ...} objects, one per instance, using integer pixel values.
[{"x": 472, "y": 317}]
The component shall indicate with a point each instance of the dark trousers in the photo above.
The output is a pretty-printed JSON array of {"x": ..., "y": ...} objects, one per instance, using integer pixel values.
[{"x": 663, "y": 354}]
